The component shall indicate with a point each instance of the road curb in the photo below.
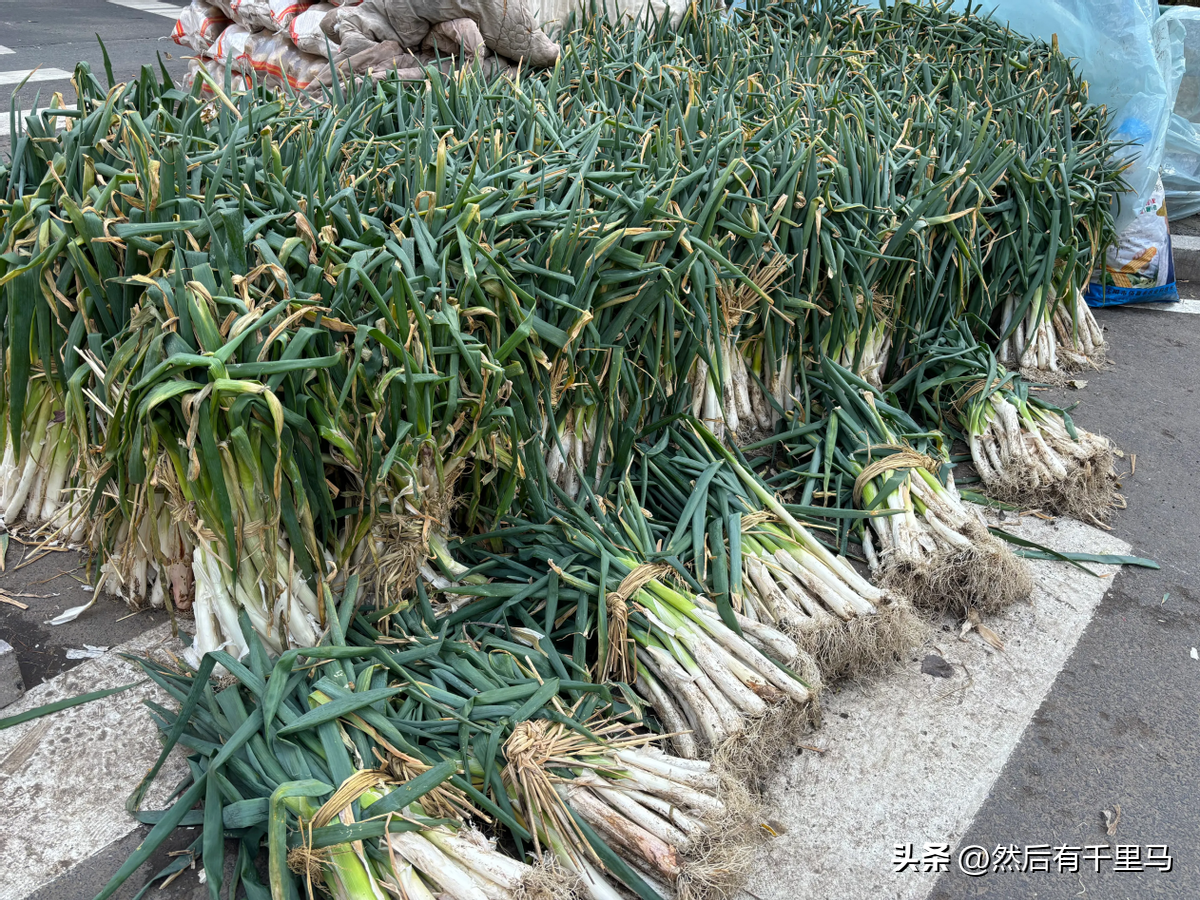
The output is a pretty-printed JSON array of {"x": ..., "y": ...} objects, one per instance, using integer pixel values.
[{"x": 1186, "y": 249}]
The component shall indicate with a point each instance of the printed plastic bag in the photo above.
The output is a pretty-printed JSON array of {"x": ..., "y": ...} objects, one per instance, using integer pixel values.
[
  {"x": 1129, "y": 66},
  {"x": 1140, "y": 268},
  {"x": 283, "y": 11},
  {"x": 199, "y": 26},
  {"x": 306, "y": 32}
]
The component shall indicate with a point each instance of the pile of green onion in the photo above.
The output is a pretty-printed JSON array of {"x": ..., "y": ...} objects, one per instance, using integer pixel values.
[{"x": 487, "y": 434}]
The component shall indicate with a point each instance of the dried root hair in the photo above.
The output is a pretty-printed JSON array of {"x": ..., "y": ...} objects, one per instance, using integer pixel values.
[
  {"x": 307, "y": 862},
  {"x": 987, "y": 576},
  {"x": 399, "y": 540},
  {"x": 393, "y": 572},
  {"x": 1088, "y": 493},
  {"x": 744, "y": 761},
  {"x": 864, "y": 646},
  {"x": 717, "y": 864},
  {"x": 550, "y": 881}
]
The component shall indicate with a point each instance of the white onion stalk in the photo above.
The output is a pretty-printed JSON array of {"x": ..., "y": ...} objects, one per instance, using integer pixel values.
[
  {"x": 591, "y": 878},
  {"x": 669, "y": 712},
  {"x": 697, "y": 380},
  {"x": 1025, "y": 454},
  {"x": 738, "y": 405},
  {"x": 207, "y": 638},
  {"x": 455, "y": 880},
  {"x": 695, "y": 772},
  {"x": 622, "y": 833},
  {"x": 650, "y": 818},
  {"x": 693, "y": 827},
  {"x": 462, "y": 863},
  {"x": 930, "y": 519},
  {"x": 696, "y": 707},
  {"x": 224, "y": 606},
  {"x": 758, "y": 385},
  {"x": 1051, "y": 334},
  {"x": 37, "y": 491},
  {"x": 622, "y": 787},
  {"x": 624, "y": 803},
  {"x": 700, "y": 802},
  {"x": 876, "y": 344},
  {"x": 410, "y": 883},
  {"x": 741, "y": 388},
  {"x": 577, "y": 436},
  {"x": 937, "y": 550},
  {"x": 718, "y": 679},
  {"x": 30, "y": 463},
  {"x": 772, "y": 555},
  {"x": 9, "y": 474},
  {"x": 472, "y": 850},
  {"x": 679, "y": 667},
  {"x": 763, "y": 637},
  {"x": 651, "y": 808},
  {"x": 729, "y": 405}
]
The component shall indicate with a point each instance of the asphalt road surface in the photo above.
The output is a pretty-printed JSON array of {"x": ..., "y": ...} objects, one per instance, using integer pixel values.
[
  {"x": 52, "y": 36},
  {"x": 1120, "y": 725}
]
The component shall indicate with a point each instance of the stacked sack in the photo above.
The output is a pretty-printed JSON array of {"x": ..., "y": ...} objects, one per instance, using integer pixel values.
[
  {"x": 292, "y": 43},
  {"x": 280, "y": 42}
]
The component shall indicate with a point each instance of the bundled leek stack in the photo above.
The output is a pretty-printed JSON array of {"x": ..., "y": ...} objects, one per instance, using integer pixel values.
[
  {"x": 282, "y": 364},
  {"x": 861, "y": 452},
  {"x": 369, "y": 770},
  {"x": 596, "y": 380},
  {"x": 1026, "y": 451}
]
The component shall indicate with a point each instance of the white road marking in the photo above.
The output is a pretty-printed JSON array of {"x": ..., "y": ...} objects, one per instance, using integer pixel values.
[
  {"x": 150, "y": 6},
  {"x": 915, "y": 757},
  {"x": 1183, "y": 306},
  {"x": 16, "y": 76},
  {"x": 4, "y": 50},
  {"x": 5, "y": 124}
]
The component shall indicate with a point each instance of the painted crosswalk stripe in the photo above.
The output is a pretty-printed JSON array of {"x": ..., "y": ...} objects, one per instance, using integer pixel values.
[
  {"x": 1189, "y": 242},
  {"x": 150, "y": 6},
  {"x": 16, "y": 76},
  {"x": 6, "y": 124},
  {"x": 1183, "y": 306},
  {"x": 4, "y": 50}
]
